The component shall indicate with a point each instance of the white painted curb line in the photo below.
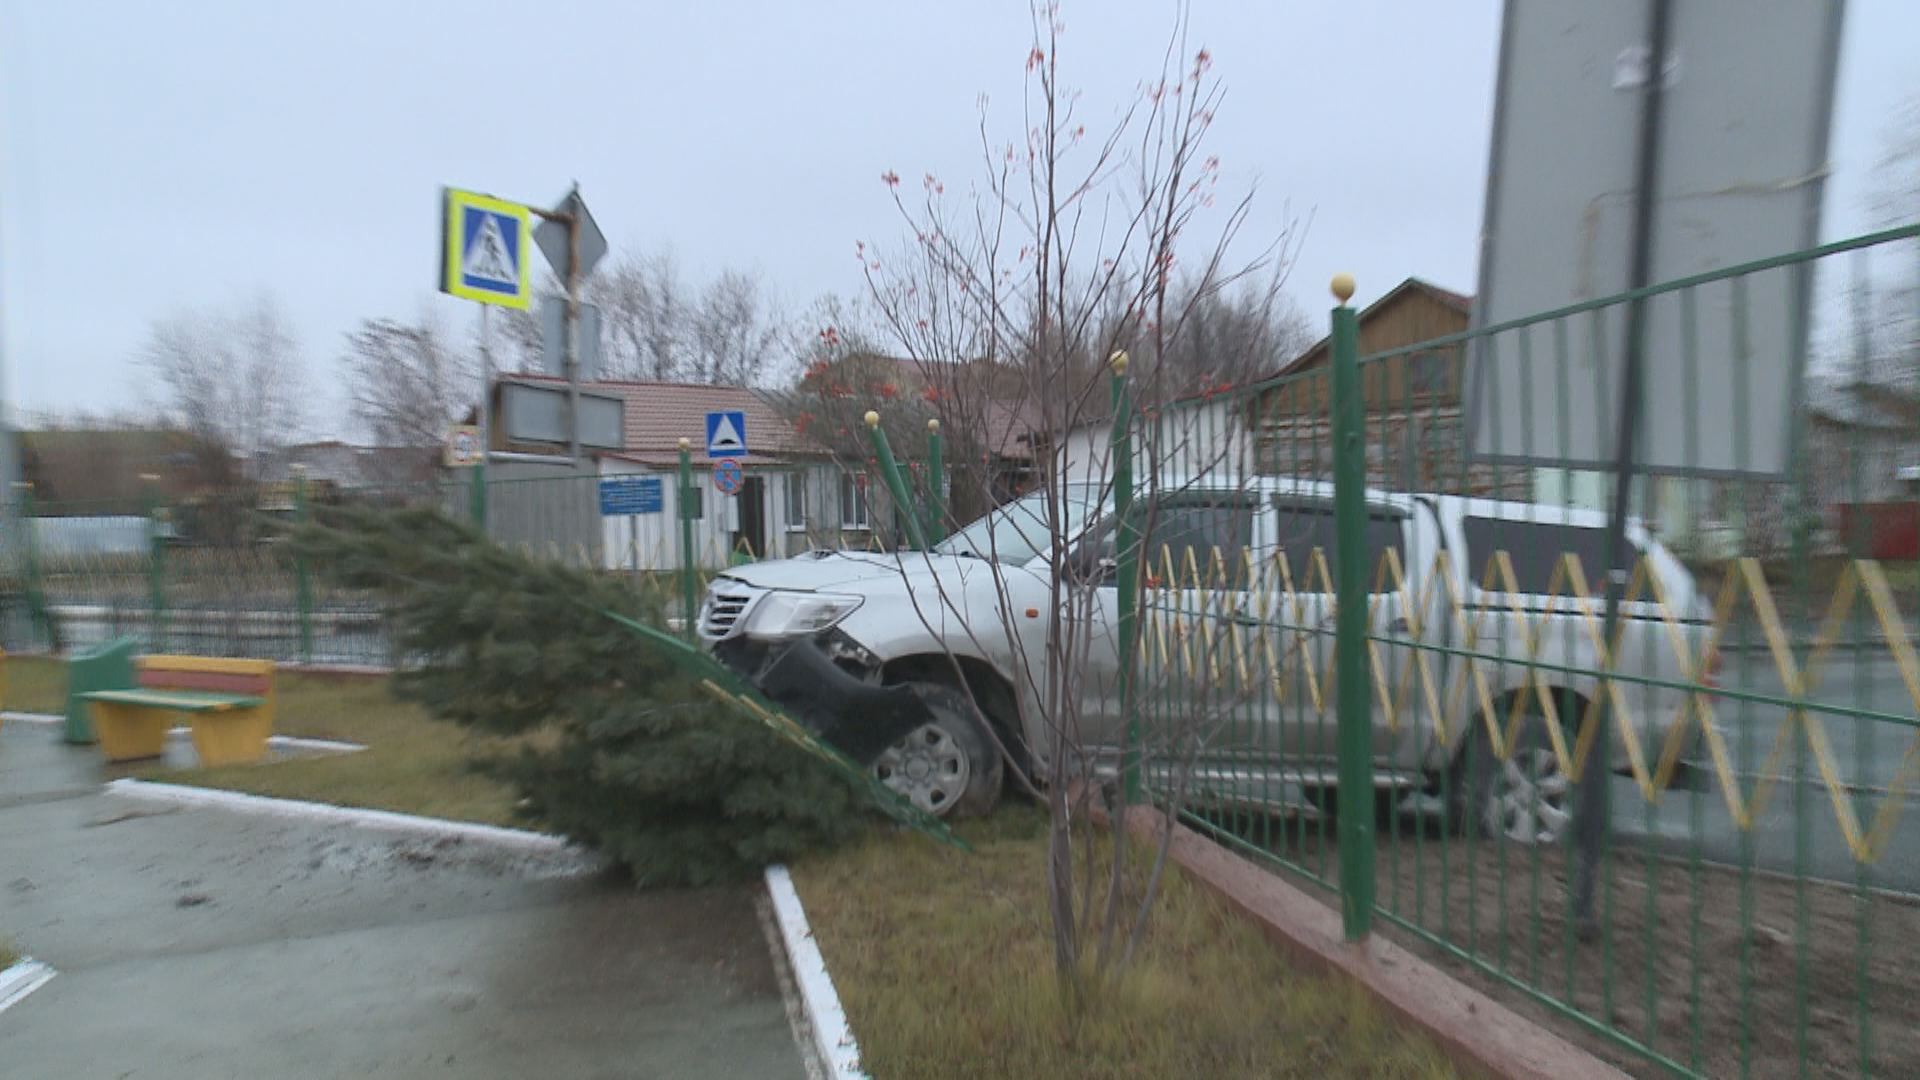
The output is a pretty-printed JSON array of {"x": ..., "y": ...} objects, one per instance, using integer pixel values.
[
  {"x": 377, "y": 820},
  {"x": 295, "y": 742},
  {"x": 282, "y": 742},
  {"x": 23, "y": 978},
  {"x": 832, "y": 1037}
]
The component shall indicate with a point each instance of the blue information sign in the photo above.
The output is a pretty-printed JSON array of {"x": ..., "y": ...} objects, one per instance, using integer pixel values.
[{"x": 621, "y": 495}]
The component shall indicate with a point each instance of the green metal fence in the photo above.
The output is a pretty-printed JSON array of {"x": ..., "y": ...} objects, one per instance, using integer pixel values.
[
  {"x": 209, "y": 574},
  {"x": 1383, "y": 665},
  {"x": 213, "y": 574}
]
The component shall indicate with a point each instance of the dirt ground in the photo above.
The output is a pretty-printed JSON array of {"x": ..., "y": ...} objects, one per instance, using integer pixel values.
[{"x": 1715, "y": 958}]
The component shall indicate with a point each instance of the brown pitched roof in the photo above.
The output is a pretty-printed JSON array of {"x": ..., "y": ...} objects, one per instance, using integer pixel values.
[
  {"x": 1460, "y": 302},
  {"x": 657, "y": 415}
]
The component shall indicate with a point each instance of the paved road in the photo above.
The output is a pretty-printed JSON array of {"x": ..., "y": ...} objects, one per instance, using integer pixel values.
[
  {"x": 1867, "y": 754},
  {"x": 203, "y": 943}
]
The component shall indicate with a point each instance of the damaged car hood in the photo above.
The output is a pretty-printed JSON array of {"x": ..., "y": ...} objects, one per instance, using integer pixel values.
[{"x": 859, "y": 571}]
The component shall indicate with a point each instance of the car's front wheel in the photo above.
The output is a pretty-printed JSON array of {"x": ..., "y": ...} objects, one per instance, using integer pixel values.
[{"x": 947, "y": 766}]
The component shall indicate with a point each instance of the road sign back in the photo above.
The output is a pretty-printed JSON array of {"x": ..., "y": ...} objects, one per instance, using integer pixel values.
[
  {"x": 556, "y": 243},
  {"x": 485, "y": 249},
  {"x": 727, "y": 434}
]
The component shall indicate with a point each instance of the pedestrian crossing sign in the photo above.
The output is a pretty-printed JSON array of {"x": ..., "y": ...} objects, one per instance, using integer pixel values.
[
  {"x": 727, "y": 434},
  {"x": 484, "y": 249}
]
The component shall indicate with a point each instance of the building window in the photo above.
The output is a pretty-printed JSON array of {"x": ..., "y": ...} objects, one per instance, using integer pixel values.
[
  {"x": 796, "y": 502},
  {"x": 854, "y": 512},
  {"x": 1431, "y": 373}
]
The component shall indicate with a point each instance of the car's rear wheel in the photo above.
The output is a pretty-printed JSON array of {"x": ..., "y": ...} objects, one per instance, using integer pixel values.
[
  {"x": 948, "y": 766},
  {"x": 1524, "y": 798}
]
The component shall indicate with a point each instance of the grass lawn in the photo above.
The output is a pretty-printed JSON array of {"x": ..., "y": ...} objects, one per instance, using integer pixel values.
[
  {"x": 413, "y": 763},
  {"x": 944, "y": 966}
]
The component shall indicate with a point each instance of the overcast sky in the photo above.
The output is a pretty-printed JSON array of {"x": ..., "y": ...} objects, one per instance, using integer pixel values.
[{"x": 156, "y": 157}]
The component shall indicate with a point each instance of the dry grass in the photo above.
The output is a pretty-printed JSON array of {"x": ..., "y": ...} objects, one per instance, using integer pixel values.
[
  {"x": 413, "y": 763},
  {"x": 945, "y": 972}
]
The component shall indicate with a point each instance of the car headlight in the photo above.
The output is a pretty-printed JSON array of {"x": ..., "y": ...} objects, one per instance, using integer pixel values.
[{"x": 797, "y": 614}]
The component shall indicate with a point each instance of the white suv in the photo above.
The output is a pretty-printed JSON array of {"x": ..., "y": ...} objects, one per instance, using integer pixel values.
[{"x": 1250, "y": 647}]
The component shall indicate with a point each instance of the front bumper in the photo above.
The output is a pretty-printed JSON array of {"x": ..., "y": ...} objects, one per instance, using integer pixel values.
[{"x": 858, "y": 718}]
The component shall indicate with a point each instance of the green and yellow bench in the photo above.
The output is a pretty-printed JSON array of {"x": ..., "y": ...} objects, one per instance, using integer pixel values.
[{"x": 228, "y": 703}]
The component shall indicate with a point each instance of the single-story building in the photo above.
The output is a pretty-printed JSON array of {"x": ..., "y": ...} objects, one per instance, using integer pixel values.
[
  {"x": 794, "y": 493},
  {"x": 1281, "y": 424}
]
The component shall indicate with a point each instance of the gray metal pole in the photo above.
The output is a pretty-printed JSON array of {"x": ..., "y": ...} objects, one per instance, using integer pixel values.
[
  {"x": 1590, "y": 814},
  {"x": 477, "y": 498},
  {"x": 572, "y": 336},
  {"x": 10, "y": 451}
]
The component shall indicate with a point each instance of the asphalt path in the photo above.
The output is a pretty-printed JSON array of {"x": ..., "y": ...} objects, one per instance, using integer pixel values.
[{"x": 202, "y": 943}]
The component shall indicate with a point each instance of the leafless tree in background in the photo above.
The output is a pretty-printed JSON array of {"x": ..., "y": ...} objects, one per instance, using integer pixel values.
[
  {"x": 1889, "y": 310},
  {"x": 408, "y": 383},
  {"x": 1229, "y": 336},
  {"x": 655, "y": 325},
  {"x": 644, "y": 307},
  {"x": 1072, "y": 245},
  {"x": 231, "y": 377}
]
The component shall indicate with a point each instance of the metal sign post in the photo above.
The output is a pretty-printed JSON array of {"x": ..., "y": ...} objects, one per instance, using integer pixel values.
[
  {"x": 573, "y": 243},
  {"x": 684, "y": 502},
  {"x": 478, "y": 498},
  {"x": 1590, "y": 795}
]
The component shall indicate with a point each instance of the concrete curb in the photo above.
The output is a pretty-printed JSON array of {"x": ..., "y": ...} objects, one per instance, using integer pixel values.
[
  {"x": 23, "y": 978},
  {"x": 358, "y": 671},
  {"x": 1475, "y": 1031},
  {"x": 386, "y": 821},
  {"x": 278, "y": 742},
  {"x": 832, "y": 1037}
]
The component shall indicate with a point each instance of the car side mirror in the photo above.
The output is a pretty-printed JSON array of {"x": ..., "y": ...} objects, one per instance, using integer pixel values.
[{"x": 1090, "y": 567}]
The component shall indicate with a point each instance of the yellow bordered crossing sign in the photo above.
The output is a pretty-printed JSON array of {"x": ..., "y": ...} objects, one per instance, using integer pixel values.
[{"x": 485, "y": 244}]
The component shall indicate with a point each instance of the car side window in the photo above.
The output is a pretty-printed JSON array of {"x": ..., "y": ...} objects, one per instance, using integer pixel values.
[
  {"x": 1191, "y": 530},
  {"x": 1536, "y": 549},
  {"x": 1179, "y": 527},
  {"x": 1303, "y": 526}
]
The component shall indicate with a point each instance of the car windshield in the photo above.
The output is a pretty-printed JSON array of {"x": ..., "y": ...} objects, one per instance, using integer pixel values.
[{"x": 1018, "y": 531}]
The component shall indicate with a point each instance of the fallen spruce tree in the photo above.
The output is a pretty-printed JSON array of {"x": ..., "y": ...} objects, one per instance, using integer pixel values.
[{"x": 622, "y": 749}]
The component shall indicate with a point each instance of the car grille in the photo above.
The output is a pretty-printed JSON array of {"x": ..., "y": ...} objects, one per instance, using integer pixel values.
[{"x": 721, "y": 615}]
